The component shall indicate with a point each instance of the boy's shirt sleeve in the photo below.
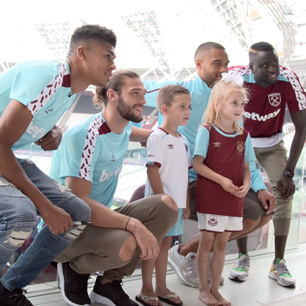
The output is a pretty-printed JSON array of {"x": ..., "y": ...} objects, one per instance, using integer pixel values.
[{"x": 155, "y": 150}]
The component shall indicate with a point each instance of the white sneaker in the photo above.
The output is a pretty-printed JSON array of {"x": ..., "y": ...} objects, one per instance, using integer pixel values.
[
  {"x": 184, "y": 266},
  {"x": 240, "y": 270},
  {"x": 281, "y": 274}
]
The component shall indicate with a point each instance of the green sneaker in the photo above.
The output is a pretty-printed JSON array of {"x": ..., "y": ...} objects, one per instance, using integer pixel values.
[
  {"x": 240, "y": 270},
  {"x": 281, "y": 274}
]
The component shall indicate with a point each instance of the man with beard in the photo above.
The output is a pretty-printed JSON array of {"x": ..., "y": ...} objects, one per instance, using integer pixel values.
[
  {"x": 88, "y": 162},
  {"x": 272, "y": 88}
]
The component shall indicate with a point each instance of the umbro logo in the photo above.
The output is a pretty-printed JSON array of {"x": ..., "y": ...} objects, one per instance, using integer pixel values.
[
  {"x": 216, "y": 144},
  {"x": 170, "y": 146},
  {"x": 113, "y": 158}
]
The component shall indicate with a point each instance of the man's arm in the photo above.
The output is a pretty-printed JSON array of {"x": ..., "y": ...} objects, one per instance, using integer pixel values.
[
  {"x": 139, "y": 135},
  {"x": 153, "y": 88},
  {"x": 257, "y": 184},
  {"x": 285, "y": 185},
  {"x": 103, "y": 216},
  {"x": 13, "y": 123}
]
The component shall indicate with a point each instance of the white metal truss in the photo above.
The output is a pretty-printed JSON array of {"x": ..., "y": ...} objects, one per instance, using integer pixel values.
[{"x": 57, "y": 37}]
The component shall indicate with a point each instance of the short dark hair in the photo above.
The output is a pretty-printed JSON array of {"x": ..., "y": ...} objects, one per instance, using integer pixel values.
[
  {"x": 167, "y": 94},
  {"x": 207, "y": 46},
  {"x": 259, "y": 46},
  {"x": 262, "y": 46},
  {"x": 115, "y": 83},
  {"x": 91, "y": 32}
]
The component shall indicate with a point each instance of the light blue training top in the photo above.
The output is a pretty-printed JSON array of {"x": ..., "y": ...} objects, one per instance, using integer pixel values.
[
  {"x": 44, "y": 87},
  {"x": 91, "y": 151}
]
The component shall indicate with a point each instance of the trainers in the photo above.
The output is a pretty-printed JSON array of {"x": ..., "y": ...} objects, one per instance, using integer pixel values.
[
  {"x": 13, "y": 298},
  {"x": 184, "y": 266},
  {"x": 281, "y": 274},
  {"x": 241, "y": 268},
  {"x": 110, "y": 294},
  {"x": 73, "y": 285}
]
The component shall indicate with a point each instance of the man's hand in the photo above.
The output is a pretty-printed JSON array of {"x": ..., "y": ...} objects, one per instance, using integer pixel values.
[
  {"x": 57, "y": 220},
  {"x": 286, "y": 186},
  {"x": 51, "y": 140},
  {"x": 146, "y": 241},
  {"x": 267, "y": 200}
]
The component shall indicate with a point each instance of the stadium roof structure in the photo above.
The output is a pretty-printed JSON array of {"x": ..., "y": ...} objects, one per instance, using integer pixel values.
[{"x": 156, "y": 38}]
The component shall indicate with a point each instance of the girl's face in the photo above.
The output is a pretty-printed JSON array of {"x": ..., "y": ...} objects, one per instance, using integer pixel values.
[{"x": 233, "y": 107}]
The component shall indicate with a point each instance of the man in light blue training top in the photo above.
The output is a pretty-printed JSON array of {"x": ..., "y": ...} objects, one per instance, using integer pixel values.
[
  {"x": 33, "y": 97},
  {"x": 88, "y": 162}
]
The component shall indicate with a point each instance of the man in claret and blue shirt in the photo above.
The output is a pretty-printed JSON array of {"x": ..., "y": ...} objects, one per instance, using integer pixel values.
[
  {"x": 271, "y": 89},
  {"x": 211, "y": 61}
]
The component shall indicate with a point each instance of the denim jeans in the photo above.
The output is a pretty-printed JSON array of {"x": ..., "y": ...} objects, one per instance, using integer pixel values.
[{"x": 18, "y": 217}]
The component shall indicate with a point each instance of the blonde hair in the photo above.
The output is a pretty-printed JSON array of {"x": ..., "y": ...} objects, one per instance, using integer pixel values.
[
  {"x": 219, "y": 95},
  {"x": 167, "y": 94}
]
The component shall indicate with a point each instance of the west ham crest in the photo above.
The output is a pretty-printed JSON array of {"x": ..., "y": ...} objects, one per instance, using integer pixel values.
[
  {"x": 213, "y": 220},
  {"x": 274, "y": 99},
  {"x": 240, "y": 146}
]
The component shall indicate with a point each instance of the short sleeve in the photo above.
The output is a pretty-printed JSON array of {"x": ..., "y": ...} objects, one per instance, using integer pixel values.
[
  {"x": 155, "y": 150},
  {"x": 201, "y": 142},
  {"x": 249, "y": 154},
  {"x": 71, "y": 156},
  {"x": 29, "y": 83}
]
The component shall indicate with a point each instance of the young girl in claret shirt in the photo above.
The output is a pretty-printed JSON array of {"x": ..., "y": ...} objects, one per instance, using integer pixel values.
[{"x": 222, "y": 154}]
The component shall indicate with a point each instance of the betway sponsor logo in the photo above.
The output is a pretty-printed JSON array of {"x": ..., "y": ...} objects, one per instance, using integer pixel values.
[
  {"x": 258, "y": 117},
  {"x": 35, "y": 131},
  {"x": 107, "y": 175}
]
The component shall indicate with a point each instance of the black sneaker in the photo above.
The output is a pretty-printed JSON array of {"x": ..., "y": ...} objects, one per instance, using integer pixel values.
[
  {"x": 13, "y": 298},
  {"x": 73, "y": 285},
  {"x": 110, "y": 294}
]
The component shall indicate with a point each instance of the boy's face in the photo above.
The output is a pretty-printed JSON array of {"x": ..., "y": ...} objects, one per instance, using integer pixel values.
[{"x": 179, "y": 111}]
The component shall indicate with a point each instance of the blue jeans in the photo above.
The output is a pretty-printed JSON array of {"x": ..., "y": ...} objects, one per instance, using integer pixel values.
[{"x": 18, "y": 218}]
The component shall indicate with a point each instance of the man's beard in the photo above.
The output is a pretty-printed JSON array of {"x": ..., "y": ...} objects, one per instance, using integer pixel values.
[{"x": 126, "y": 111}]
